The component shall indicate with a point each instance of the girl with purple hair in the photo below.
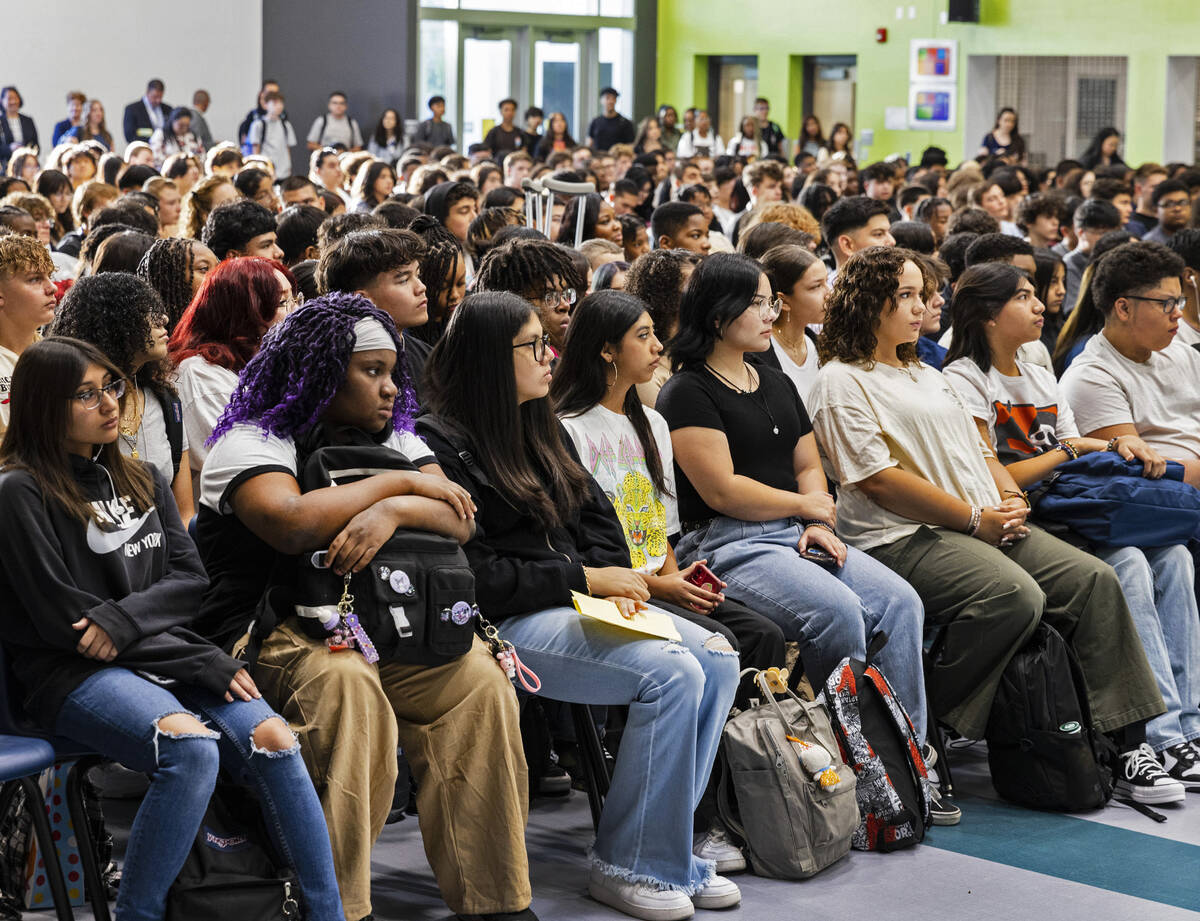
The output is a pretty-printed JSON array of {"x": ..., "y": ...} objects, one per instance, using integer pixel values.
[{"x": 332, "y": 365}]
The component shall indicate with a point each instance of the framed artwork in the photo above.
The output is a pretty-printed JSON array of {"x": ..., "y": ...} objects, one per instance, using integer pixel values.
[
  {"x": 933, "y": 60},
  {"x": 932, "y": 106}
]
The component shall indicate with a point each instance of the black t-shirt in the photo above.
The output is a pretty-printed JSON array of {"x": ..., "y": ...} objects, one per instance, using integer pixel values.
[
  {"x": 605, "y": 131},
  {"x": 697, "y": 398},
  {"x": 501, "y": 141}
]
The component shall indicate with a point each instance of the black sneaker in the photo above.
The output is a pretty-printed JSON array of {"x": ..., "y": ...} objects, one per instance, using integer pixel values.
[
  {"x": 1142, "y": 779},
  {"x": 1183, "y": 763},
  {"x": 526, "y": 915},
  {"x": 554, "y": 781},
  {"x": 942, "y": 810}
]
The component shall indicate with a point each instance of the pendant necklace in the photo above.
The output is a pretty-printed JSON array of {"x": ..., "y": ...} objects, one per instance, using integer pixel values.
[
  {"x": 131, "y": 437},
  {"x": 762, "y": 401}
]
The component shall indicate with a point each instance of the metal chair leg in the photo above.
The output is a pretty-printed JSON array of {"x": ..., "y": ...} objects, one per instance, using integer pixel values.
[
  {"x": 592, "y": 755},
  {"x": 45, "y": 840},
  {"x": 97, "y": 892}
]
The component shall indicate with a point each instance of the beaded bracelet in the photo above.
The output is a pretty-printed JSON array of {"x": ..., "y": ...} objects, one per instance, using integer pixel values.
[
  {"x": 1112, "y": 443},
  {"x": 1068, "y": 449},
  {"x": 1018, "y": 493},
  {"x": 976, "y": 520},
  {"x": 587, "y": 584},
  {"x": 817, "y": 523}
]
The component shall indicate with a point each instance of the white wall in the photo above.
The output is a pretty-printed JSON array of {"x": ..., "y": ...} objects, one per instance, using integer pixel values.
[{"x": 110, "y": 50}]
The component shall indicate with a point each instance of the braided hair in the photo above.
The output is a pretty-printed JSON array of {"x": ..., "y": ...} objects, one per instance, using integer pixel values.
[
  {"x": 525, "y": 267},
  {"x": 167, "y": 266},
  {"x": 284, "y": 389},
  {"x": 436, "y": 269}
]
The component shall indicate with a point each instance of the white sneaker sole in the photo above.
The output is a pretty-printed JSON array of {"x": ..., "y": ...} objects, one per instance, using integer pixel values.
[
  {"x": 725, "y": 900},
  {"x": 644, "y": 912},
  {"x": 734, "y": 863},
  {"x": 1151, "y": 795}
]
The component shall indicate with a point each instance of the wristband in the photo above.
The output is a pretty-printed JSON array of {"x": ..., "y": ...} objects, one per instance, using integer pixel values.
[
  {"x": 1020, "y": 493},
  {"x": 976, "y": 520},
  {"x": 817, "y": 523},
  {"x": 587, "y": 584},
  {"x": 1112, "y": 444}
]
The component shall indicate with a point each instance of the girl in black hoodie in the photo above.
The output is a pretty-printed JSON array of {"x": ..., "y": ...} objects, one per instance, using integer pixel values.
[{"x": 101, "y": 581}]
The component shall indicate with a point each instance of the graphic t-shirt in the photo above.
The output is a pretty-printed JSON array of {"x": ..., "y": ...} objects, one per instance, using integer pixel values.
[
  {"x": 1025, "y": 414},
  {"x": 611, "y": 452},
  {"x": 8, "y": 361}
]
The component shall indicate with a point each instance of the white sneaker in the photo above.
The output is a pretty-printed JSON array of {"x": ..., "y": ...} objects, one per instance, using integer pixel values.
[
  {"x": 1143, "y": 779},
  {"x": 639, "y": 900},
  {"x": 719, "y": 893},
  {"x": 715, "y": 845}
]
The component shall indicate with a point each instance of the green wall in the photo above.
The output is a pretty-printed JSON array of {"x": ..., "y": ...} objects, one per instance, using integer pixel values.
[{"x": 781, "y": 31}]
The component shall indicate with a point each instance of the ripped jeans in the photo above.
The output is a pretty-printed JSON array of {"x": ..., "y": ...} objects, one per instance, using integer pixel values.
[
  {"x": 116, "y": 713},
  {"x": 679, "y": 695}
]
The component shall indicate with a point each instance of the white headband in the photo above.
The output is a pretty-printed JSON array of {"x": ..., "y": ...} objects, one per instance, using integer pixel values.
[{"x": 370, "y": 334}]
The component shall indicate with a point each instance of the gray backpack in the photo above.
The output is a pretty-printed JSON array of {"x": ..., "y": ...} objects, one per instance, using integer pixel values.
[{"x": 784, "y": 789}]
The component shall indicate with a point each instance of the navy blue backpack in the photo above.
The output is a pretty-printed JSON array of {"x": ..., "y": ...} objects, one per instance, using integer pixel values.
[{"x": 1104, "y": 499}]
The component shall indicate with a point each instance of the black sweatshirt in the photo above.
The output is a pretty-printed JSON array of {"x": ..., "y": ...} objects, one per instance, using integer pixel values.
[
  {"x": 137, "y": 576},
  {"x": 519, "y": 566}
]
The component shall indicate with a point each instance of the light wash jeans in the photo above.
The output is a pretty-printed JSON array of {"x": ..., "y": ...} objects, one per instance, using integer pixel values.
[
  {"x": 1159, "y": 585},
  {"x": 831, "y": 614},
  {"x": 116, "y": 712},
  {"x": 679, "y": 695}
]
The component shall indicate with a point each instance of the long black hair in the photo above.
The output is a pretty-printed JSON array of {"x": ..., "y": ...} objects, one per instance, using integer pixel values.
[
  {"x": 719, "y": 291},
  {"x": 439, "y": 260},
  {"x": 581, "y": 378},
  {"x": 469, "y": 379},
  {"x": 981, "y": 293},
  {"x": 591, "y": 204}
]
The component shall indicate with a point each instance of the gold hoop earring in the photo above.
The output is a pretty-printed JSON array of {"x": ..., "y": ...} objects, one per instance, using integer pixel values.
[{"x": 613, "y": 365}]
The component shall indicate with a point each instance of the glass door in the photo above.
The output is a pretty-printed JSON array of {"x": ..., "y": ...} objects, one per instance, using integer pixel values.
[
  {"x": 557, "y": 65},
  {"x": 487, "y": 77}
]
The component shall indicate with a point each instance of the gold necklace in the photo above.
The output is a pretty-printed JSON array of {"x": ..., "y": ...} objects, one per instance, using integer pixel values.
[{"x": 131, "y": 435}]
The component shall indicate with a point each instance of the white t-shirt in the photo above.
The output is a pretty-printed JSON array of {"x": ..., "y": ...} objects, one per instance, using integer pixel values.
[
  {"x": 1159, "y": 396},
  {"x": 150, "y": 439},
  {"x": 342, "y": 130},
  {"x": 1034, "y": 353},
  {"x": 611, "y": 452},
  {"x": 14, "y": 128},
  {"x": 911, "y": 418},
  {"x": 246, "y": 451},
  {"x": 274, "y": 137},
  {"x": 803, "y": 376},
  {"x": 204, "y": 392},
  {"x": 8, "y": 361},
  {"x": 1187, "y": 334},
  {"x": 1025, "y": 414}
]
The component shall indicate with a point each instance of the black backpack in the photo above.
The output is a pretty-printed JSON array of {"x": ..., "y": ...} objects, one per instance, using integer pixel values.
[
  {"x": 1042, "y": 749},
  {"x": 231, "y": 871}
]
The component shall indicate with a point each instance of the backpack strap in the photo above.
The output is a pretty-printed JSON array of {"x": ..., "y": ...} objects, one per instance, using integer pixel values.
[
  {"x": 461, "y": 444},
  {"x": 172, "y": 413}
]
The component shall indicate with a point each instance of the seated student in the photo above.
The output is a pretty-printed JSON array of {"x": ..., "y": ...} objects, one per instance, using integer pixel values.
[
  {"x": 936, "y": 213},
  {"x": 1017, "y": 407},
  {"x": 299, "y": 190},
  {"x": 176, "y": 268},
  {"x": 27, "y": 303},
  {"x": 599, "y": 220},
  {"x": 921, "y": 493},
  {"x": 1037, "y": 219},
  {"x": 934, "y": 277},
  {"x": 455, "y": 204},
  {"x": 383, "y": 265},
  {"x": 613, "y": 335},
  {"x": 797, "y": 279},
  {"x": 443, "y": 271},
  {"x": 1186, "y": 245},
  {"x": 219, "y": 332},
  {"x": 1086, "y": 319},
  {"x": 545, "y": 531},
  {"x": 658, "y": 278},
  {"x": 1092, "y": 220},
  {"x": 1051, "y": 283},
  {"x": 542, "y": 273},
  {"x": 296, "y": 233},
  {"x": 102, "y": 582},
  {"x": 1130, "y": 377},
  {"x": 123, "y": 317},
  {"x": 1173, "y": 202},
  {"x": 752, "y": 492},
  {"x": 334, "y": 362},
  {"x": 634, "y": 239},
  {"x": 679, "y": 225},
  {"x": 241, "y": 228},
  {"x": 853, "y": 223},
  {"x": 763, "y": 180}
]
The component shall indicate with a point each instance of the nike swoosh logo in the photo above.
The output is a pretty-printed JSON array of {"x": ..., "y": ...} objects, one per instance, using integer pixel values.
[{"x": 102, "y": 542}]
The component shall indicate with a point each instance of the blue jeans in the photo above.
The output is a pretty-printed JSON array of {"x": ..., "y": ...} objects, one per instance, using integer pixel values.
[
  {"x": 1159, "y": 585},
  {"x": 116, "y": 713},
  {"x": 831, "y": 614},
  {"x": 679, "y": 696}
]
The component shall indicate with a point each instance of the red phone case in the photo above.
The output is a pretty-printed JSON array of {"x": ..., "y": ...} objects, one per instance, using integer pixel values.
[{"x": 703, "y": 577}]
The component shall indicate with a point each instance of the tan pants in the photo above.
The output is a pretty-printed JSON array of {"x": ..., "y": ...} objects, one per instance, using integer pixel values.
[{"x": 459, "y": 728}]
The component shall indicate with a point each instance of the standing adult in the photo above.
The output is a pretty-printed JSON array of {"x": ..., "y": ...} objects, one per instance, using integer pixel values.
[
  {"x": 609, "y": 127},
  {"x": 770, "y": 133},
  {"x": 16, "y": 130},
  {"x": 146, "y": 115},
  {"x": 1004, "y": 140},
  {"x": 505, "y": 137},
  {"x": 335, "y": 128},
  {"x": 433, "y": 131},
  {"x": 200, "y": 103},
  {"x": 668, "y": 121},
  {"x": 259, "y": 110},
  {"x": 75, "y": 102}
]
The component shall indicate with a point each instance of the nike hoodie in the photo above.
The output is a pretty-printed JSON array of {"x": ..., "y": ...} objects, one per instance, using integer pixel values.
[{"x": 137, "y": 576}]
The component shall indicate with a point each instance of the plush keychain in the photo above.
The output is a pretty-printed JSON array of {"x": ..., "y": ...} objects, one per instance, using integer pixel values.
[{"x": 818, "y": 762}]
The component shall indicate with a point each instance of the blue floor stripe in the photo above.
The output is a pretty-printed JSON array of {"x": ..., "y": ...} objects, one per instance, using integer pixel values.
[{"x": 1063, "y": 846}]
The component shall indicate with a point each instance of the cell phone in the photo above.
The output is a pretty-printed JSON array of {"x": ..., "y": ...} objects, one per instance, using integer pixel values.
[
  {"x": 820, "y": 556},
  {"x": 702, "y": 577}
]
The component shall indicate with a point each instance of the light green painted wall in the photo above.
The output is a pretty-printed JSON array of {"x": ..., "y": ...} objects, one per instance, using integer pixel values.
[{"x": 781, "y": 31}]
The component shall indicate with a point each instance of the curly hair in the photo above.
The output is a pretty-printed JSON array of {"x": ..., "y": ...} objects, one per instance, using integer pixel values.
[
  {"x": 112, "y": 311},
  {"x": 524, "y": 267},
  {"x": 864, "y": 289},
  {"x": 284, "y": 389},
  {"x": 234, "y": 224},
  {"x": 657, "y": 277},
  {"x": 781, "y": 212},
  {"x": 488, "y": 223},
  {"x": 167, "y": 266}
]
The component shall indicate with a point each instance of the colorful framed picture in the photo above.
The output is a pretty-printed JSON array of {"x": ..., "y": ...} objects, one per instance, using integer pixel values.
[
  {"x": 932, "y": 107},
  {"x": 931, "y": 60}
]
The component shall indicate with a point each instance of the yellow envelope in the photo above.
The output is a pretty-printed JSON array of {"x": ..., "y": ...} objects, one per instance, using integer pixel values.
[{"x": 649, "y": 622}]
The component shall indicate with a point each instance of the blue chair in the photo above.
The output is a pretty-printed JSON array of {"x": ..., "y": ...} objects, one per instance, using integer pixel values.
[{"x": 15, "y": 726}]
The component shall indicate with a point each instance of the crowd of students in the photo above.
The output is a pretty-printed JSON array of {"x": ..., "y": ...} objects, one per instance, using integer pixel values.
[{"x": 735, "y": 339}]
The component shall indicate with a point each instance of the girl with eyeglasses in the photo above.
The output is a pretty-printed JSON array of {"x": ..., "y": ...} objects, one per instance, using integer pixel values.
[
  {"x": 1019, "y": 409},
  {"x": 540, "y": 272},
  {"x": 102, "y": 582},
  {"x": 752, "y": 494},
  {"x": 124, "y": 317},
  {"x": 546, "y": 530}
]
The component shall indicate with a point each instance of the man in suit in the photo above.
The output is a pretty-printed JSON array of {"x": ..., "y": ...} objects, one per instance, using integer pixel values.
[
  {"x": 16, "y": 130},
  {"x": 146, "y": 114}
]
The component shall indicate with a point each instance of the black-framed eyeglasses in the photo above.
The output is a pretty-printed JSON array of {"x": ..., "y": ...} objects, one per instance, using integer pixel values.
[
  {"x": 90, "y": 399},
  {"x": 1167, "y": 305},
  {"x": 537, "y": 345},
  {"x": 553, "y": 298}
]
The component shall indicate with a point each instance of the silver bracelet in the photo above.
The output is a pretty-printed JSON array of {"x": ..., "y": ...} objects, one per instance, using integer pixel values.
[{"x": 976, "y": 520}]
